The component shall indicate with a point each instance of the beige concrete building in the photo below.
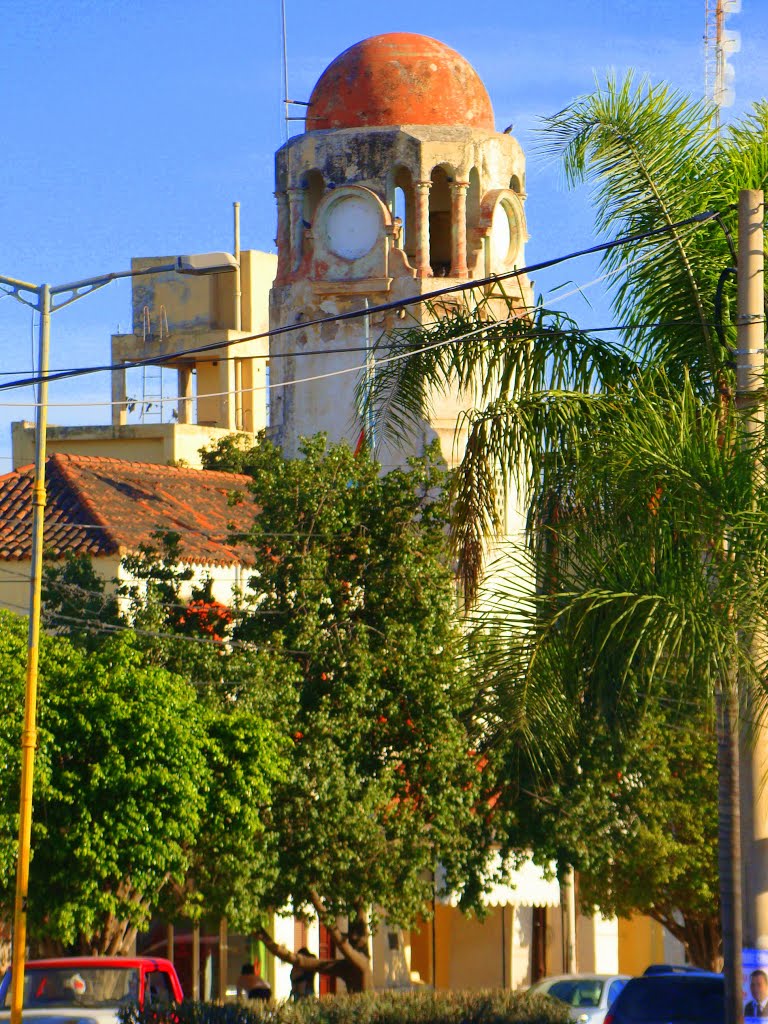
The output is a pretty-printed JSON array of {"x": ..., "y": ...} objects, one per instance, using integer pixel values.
[{"x": 207, "y": 333}]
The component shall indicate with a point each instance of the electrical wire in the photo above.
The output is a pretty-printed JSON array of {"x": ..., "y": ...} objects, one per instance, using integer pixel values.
[
  {"x": 362, "y": 348},
  {"x": 697, "y": 220},
  {"x": 333, "y": 373}
]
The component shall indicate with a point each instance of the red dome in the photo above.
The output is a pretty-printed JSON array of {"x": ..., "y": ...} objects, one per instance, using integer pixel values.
[{"x": 399, "y": 78}]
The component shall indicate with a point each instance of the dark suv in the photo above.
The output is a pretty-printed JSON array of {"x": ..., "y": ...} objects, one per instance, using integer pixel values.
[{"x": 695, "y": 997}]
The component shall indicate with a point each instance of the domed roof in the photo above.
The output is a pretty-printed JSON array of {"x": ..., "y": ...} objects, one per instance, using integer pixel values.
[{"x": 399, "y": 78}]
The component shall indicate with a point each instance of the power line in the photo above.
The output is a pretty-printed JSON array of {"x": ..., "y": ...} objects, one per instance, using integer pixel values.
[
  {"x": 382, "y": 361},
  {"x": 664, "y": 324},
  {"x": 696, "y": 220}
]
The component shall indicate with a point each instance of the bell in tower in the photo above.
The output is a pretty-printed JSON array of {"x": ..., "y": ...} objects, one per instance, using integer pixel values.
[{"x": 399, "y": 185}]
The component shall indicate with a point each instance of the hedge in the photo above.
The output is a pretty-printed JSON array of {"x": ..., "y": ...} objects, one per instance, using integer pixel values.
[{"x": 419, "y": 1007}]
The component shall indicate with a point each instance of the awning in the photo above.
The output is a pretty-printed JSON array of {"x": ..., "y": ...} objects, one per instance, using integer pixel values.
[{"x": 526, "y": 886}]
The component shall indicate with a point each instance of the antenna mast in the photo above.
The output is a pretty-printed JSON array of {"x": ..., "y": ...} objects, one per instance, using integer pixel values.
[
  {"x": 284, "y": 33},
  {"x": 718, "y": 44}
]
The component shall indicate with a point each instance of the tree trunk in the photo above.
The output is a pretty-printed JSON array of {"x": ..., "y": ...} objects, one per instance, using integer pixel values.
[
  {"x": 354, "y": 966},
  {"x": 701, "y": 937},
  {"x": 729, "y": 850}
]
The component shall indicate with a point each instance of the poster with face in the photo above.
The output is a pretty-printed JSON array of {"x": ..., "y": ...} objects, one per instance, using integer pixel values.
[{"x": 755, "y": 983}]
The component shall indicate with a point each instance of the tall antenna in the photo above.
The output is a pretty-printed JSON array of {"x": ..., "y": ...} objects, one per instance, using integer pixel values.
[
  {"x": 719, "y": 43},
  {"x": 285, "y": 69}
]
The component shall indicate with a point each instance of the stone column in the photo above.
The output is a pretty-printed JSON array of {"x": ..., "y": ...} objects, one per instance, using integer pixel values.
[
  {"x": 227, "y": 390},
  {"x": 185, "y": 394},
  {"x": 119, "y": 406},
  {"x": 421, "y": 211},
  {"x": 296, "y": 204},
  {"x": 283, "y": 239},
  {"x": 459, "y": 228}
]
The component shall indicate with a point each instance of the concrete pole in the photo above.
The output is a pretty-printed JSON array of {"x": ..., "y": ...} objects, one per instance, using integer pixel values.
[
  {"x": 568, "y": 900},
  {"x": 223, "y": 959},
  {"x": 196, "y": 960},
  {"x": 750, "y": 401}
]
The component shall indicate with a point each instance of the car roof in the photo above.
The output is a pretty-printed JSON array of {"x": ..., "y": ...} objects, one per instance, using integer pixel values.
[
  {"x": 101, "y": 961},
  {"x": 691, "y": 978},
  {"x": 686, "y": 975},
  {"x": 580, "y": 977}
]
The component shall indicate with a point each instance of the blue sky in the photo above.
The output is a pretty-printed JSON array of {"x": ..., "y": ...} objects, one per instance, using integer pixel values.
[{"x": 130, "y": 126}]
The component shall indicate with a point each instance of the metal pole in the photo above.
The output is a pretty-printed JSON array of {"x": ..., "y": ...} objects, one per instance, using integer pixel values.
[
  {"x": 750, "y": 400},
  {"x": 238, "y": 282},
  {"x": 29, "y": 733},
  {"x": 206, "y": 263},
  {"x": 370, "y": 380},
  {"x": 284, "y": 27}
]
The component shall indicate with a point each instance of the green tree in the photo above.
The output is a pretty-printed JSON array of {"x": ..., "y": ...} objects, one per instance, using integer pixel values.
[
  {"x": 352, "y": 581},
  {"x": 119, "y": 784},
  {"x": 147, "y": 796},
  {"x": 652, "y": 160}
]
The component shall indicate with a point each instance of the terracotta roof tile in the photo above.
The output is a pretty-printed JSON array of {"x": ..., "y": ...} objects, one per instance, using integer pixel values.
[{"x": 101, "y": 506}]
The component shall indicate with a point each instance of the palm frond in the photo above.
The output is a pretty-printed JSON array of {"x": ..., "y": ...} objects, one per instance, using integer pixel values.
[{"x": 649, "y": 155}]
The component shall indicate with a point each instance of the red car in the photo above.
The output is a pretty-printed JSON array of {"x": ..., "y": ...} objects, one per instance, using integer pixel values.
[{"x": 90, "y": 988}]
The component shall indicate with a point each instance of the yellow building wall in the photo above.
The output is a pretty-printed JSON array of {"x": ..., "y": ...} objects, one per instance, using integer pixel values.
[
  {"x": 466, "y": 952},
  {"x": 421, "y": 951},
  {"x": 14, "y": 581},
  {"x": 641, "y": 942},
  {"x": 161, "y": 444}
]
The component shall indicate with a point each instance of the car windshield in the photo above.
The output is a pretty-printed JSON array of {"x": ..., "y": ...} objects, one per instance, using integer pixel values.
[
  {"x": 577, "y": 991},
  {"x": 673, "y": 999},
  {"x": 77, "y": 986}
]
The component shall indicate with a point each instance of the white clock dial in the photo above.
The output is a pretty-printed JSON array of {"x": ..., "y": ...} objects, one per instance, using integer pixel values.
[
  {"x": 352, "y": 226},
  {"x": 501, "y": 233}
]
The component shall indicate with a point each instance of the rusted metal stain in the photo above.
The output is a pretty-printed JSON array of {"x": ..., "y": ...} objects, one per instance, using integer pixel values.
[{"x": 399, "y": 78}]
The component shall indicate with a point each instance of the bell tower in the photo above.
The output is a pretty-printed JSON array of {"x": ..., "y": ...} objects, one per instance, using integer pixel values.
[{"x": 399, "y": 185}]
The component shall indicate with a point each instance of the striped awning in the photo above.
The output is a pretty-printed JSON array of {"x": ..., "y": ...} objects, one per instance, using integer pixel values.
[{"x": 525, "y": 886}]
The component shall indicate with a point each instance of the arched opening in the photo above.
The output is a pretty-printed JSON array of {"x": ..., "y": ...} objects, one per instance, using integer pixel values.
[
  {"x": 473, "y": 217},
  {"x": 440, "y": 223},
  {"x": 514, "y": 184},
  {"x": 314, "y": 189},
  {"x": 402, "y": 208}
]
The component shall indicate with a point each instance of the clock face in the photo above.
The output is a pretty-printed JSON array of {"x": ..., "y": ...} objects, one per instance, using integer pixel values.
[
  {"x": 352, "y": 225},
  {"x": 505, "y": 232}
]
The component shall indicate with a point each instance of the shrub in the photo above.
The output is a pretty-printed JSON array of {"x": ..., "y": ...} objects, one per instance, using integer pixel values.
[{"x": 421, "y": 1007}]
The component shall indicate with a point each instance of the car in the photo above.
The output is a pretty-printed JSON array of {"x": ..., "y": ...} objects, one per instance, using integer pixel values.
[
  {"x": 659, "y": 997},
  {"x": 589, "y": 996},
  {"x": 91, "y": 989}
]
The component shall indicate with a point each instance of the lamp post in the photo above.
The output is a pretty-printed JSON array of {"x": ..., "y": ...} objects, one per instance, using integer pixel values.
[{"x": 43, "y": 298}]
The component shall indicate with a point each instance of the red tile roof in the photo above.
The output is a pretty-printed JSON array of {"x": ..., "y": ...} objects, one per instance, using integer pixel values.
[{"x": 99, "y": 506}]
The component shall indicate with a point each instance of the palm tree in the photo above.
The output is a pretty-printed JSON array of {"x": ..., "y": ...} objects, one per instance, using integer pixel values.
[{"x": 553, "y": 407}]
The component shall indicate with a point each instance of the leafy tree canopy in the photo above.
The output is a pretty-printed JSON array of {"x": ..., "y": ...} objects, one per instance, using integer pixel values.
[
  {"x": 352, "y": 580},
  {"x": 139, "y": 787}
]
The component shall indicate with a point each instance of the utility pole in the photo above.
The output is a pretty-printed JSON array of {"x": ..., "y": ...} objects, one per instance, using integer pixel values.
[{"x": 750, "y": 401}]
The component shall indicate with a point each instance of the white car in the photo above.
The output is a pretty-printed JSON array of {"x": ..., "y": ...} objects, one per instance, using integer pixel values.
[{"x": 588, "y": 996}]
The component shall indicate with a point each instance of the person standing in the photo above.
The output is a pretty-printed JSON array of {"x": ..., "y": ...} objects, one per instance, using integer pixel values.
[
  {"x": 251, "y": 984},
  {"x": 302, "y": 979}
]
